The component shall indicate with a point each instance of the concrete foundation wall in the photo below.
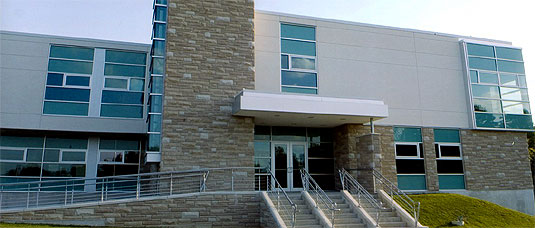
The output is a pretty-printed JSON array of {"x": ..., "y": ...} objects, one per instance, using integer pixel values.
[{"x": 520, "y": 200}]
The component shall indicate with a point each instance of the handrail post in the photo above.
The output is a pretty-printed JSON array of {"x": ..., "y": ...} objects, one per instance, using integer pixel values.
[
  {"x": 72, "y": 192},
  {"x": 65, "y": 192},
  {"x": 102, "y": 191},
  {"x": 278, "y": 198},
  {"x": 171, "y": 184},
  {"x": 1, "y": 197},
  {"x": 28, "y": 197},
  {"x": 232, "y": 182},
  {"x": 106, "y": 188},
  {"x": 138, "y": 187}
]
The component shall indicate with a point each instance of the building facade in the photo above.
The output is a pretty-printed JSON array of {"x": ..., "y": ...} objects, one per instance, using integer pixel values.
[{"x": 223, "y": 85}]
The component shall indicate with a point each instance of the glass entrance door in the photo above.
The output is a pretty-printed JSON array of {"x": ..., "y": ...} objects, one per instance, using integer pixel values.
[{"x": 290, "y": 157}]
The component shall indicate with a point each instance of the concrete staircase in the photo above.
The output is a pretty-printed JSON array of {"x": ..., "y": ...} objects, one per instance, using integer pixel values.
[
  {"x": 387, "y": 217},
  {"x": 304, "y": 216},
  {"x": 345, "y": 217}
]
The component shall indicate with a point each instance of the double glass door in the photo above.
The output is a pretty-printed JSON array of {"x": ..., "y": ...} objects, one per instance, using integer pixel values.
[{"x": 290, "y": 157}]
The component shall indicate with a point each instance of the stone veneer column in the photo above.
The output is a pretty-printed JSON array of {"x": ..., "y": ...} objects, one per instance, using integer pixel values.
[
  {"x": 210, "y": 59},
  {"x": 430, "y": 159}
]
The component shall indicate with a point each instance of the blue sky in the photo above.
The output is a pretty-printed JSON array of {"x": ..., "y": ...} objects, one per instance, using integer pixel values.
[{"x": 130, "y": 20}]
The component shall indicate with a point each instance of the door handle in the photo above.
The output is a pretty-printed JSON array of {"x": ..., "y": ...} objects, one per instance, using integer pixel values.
[{"x": 290, "y": 169}]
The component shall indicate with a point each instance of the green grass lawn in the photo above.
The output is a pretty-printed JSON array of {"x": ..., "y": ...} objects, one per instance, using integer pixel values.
[{"x": 438, "y": 210}]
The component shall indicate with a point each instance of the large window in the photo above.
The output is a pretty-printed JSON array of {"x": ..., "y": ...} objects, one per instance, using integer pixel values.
[
  {"x": 68, "y": 80},
  {"x": 410, "y": 163},
  {"x": 118, "y": 157},
  {"x": 298, "y": 59},
  {"x": 449, "y": 159},
  {"x": 498, "y": 87}
]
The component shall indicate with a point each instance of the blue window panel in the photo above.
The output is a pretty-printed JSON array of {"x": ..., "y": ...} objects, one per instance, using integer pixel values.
[
  {"x": 19, "y": 141},
  {"x": 124, "y": 70},
  {"x": 154, "y": 142},
  {"x": 407, "y": 134},
  {"x": 473, "y": 76},
  {"x": 21, "y": 187},
  {"x": 480, "y": 50},
  {"x": 489, "y": 120},
  {"x": 67, "y": 94},
  {"x": 488, "y": 78},
  {"x": 69, "y": 66},
  {"x": 293, "y": 78},
  {"x": 77, "y": 81},
  {"x": 508, "y": 79},
  {"x": 159, "y": 30},
  {"x": 509, "y": 53},
  {"x": 155, "y": 124},
  {"x": 451, "y": 182},
  {"x": 509, "y": 66},
  {"x": 157, "y": 85},
  {"x": 298, "y": 47},
  {"x": 481, "y": 63},
  {"x": 411, "y": 182},
  {"x": 73, "y": 156},
  {"x": 54, "y": 79},
  {"x": 262, "y": 149},
  {"x": 160, "y": 13},
  {"x": 12, "y": 154},
  {"x": 34, "y": 155},
  {"x": 137, "y": 84},
  {"x": 66, "y": 108},
  {"x": 518, "y": 121},
  {"x": 71, "y": 52},
  {"x": 158, "y": 48},
  {"x": 515, "y": 107},
  {"x": 158, "y": 66},
  {"x": 303, "y": 63},
  {"x": 284, "y": 61},
  {"x": 485, "y": 91},
  {"x": 127, "y": 111},
  {"x": 66, "y": 143},
  {"x": 51, "y": 155},
  {"x": 299, "y": 90},
  {"x": 162, "y": 2},
  {"x": 447, "y": 135},
  {"x": 120, "y": 97},
  {"x": 156, "y": 104},
  {"x": 298, "y": 32},
  {"x": 126, "y": 57},
  {"x": 116, "y": 83}
]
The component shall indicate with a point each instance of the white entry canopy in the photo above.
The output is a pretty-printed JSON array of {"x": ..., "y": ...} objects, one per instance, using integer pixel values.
[{"x": 306, "y": 110}]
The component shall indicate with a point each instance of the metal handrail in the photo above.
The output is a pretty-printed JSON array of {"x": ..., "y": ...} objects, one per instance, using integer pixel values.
[
  {"x": 406, "y": 202},
  {"x": 274, "y": 190},
  {"x": 310, "y": 185},
  {"x": 52, "y": 193},
  {"x": 350, "y": 184}
]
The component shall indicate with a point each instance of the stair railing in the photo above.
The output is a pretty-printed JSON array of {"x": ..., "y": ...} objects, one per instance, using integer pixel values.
[
  {"x": 275, "y": 190},
  {"x": 321, "y": 198},
  {"x": 395, "y": 193},
  {"x": 350, "y": 184}
]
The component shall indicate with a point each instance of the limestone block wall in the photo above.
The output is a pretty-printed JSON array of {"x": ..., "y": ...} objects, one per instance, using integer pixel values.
[
  {"x": 431, "y": 173},
  {"x": 202, "y": 210},
  {"x": 210, "y": 59}
]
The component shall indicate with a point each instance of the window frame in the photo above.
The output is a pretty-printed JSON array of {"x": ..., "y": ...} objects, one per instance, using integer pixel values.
[{"x": 418, "y": 150}]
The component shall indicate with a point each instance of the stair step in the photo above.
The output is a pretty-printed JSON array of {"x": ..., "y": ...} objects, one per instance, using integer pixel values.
[
  {"x": 349, "y": 225},
  {"x": 392, "y": 224}
]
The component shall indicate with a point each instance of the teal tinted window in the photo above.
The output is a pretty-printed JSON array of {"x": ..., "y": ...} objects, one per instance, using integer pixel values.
[
  {"x": 16, "y": 141},
  {"x": 11, "y": 154},
  {"x": 73, "y": 156},
  {"x": 71, "y": 52},
  {"x": 405, "y": 134},
  {"x": 298, "y": 78},
  {"x": 19, "y": 169},
  {"x": 514, "y": 94},
  {"x": 451, "y": 181},
  {"x": 288, "y": 134},
  {"x": 299, "y": 90},
  {"x": 298, "y": 47},
  {"x": 160, "y": 13},
  {"x": 155, "y": 123},
  {"x": 154, "y": 142},
  {"x": 156, "y": 104},
  {"x": 262, "y": 133},
  {"x": 158, "y": 48},
  {"x": 298, "y": 32},
  {"x": 112, "y": 144},
  {"x": 65, "y": 143},
  {"x": 54, "y": 79},
  {"x": 163, "y": 2},
  {"x": 69, "y": 66},
  {"x": 34, "y": 155},
  {"x": 480, "y": 50},
  {"x": 447, "y": 135},
  {"x": 411, "y": 182},
  {"x": 485, "y": 91},
  {"x": 515, "y": 107},
  {"x": 303, "y": 63},
  {"x": 159, "y": 30},
  {"x": 126, "y": 57},
  {"x": 124, "y": 70},
  {"x": 51, "y": 155},
  {"x": 137, "y": 84},
  {"x": 67, "y": 94},
  {"x": 262, "y": 149},
  {"x": 116, "y": 83},
  {"x": 481, "y": 63},
  {"x": 157, "y": 85},
  {"x": 127, "y": 111},
  {"x": 509, "y": 53},
  {"x": 284, "y": 62},
  {"x": 77, "y": 81},
  {"x": 158, "y": 66},
  {"x": 508, "y": 79},
  {"x": 63, "y": 170},
  {"x": 484, "y": 105},
  {"x": 64, "y": 108},
  {"x": 489, "y": 120},
  {"x": 518, "y": 121},
  {"x": 120, "y": 97},
  {"x": 509, "y": 66},
  {"x": 473, "y": 76},
  {"x": 488, "y": 78}
]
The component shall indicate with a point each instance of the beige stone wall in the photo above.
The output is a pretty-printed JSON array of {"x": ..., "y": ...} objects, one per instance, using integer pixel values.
[
  {"x": 210, "y": 59},
  {"x": 496, "y": 160},
  {"x": 430, "y": 159},
  {"x": 210, "y": 210}
]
